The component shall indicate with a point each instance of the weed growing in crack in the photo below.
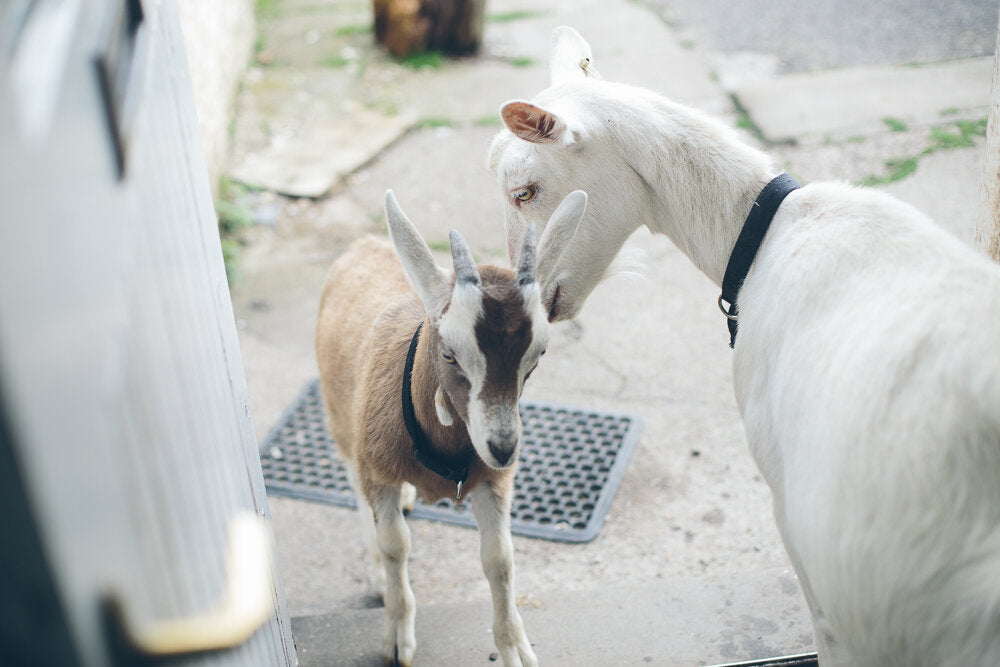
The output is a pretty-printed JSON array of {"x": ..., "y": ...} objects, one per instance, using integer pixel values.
[{"x": 958, "y": 134}]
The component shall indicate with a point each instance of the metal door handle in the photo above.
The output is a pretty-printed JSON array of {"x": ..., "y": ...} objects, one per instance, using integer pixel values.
[{"x": 244, "y": 606}]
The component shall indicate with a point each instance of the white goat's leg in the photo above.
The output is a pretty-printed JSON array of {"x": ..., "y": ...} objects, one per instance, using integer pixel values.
[
  {"x": 399, "y": 640},
  {"x": 826, "y": 645},
  {"x": 491, "y": 507},
  {"x": 373, "y": 568}
]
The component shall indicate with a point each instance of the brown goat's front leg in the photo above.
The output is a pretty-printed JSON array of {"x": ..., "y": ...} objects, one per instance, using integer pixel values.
[
  {"x": 491, "y": 507},
  {"x": 399, "y": 640}
]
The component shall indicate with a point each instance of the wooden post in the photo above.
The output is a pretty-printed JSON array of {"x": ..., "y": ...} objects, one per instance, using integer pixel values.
[
  {"x": 988, "y": 227},
  {"x": 452, "y": 27}
]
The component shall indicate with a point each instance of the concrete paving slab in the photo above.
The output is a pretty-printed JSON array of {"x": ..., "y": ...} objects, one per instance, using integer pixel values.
[
  {"x": 289, "y": 140},
  {"x": 947, "y": 186},
  {"x": 681, "y": 623},
  {"x": 843, "y": 102}
]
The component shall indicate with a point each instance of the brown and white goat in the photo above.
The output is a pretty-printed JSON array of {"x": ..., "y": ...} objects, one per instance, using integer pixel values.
[{"x": 471, "y": 340}]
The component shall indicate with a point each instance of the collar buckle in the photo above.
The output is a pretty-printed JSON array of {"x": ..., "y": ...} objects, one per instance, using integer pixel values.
[{"x": 725, "y": 311}]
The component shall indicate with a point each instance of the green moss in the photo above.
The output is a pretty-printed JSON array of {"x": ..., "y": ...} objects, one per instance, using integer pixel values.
[
  {"x": 231, "y": 250},
  {"x": 897, "y": 170},
  {"x": 516, "y": 15},
  {"x": 233, "y": 219},
  {"x": 895, "y": 125},
  {"x": 265, "y": 7},
  {"x": 489, "y": 121},
  {"x": 335, "y": 62},
  {"x": 350, "y": 30},
  {"x": 960, "y": 134},
  {"x": 744, "y": 121},
  {"x": 425, "y": 60},
  {"x": 432, "y": 122},
  {"x": 943, "y": 139}
]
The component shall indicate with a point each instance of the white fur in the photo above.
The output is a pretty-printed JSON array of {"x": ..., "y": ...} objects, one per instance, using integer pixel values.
[
  {"x": 443, "y": 414},
  {"x": 866, "y": 366},
  {"x": 497, "y": 554}
]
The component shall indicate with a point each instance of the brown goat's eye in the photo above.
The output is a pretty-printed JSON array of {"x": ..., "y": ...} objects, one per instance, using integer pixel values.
[
  {"x": 525, "y": 193},
  {"x": 448, "y": 358}
]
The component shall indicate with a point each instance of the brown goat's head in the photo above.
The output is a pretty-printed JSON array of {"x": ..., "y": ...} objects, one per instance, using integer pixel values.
[{"x": 488, "y": 330}]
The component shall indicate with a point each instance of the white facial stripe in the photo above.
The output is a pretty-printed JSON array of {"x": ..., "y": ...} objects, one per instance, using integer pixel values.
[{"x": 458, "y": 331}]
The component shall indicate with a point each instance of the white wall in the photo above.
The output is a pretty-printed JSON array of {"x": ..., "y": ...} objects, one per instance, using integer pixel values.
[{"x": 219, "y": 37}]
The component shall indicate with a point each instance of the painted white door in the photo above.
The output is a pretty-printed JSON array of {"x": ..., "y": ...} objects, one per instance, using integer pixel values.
[{"x": 125, "y": 432}]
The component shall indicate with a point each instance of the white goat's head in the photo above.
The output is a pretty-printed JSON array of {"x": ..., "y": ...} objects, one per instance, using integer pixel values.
[
  {"x": 553, "y": 145},
  {"x": 487, "y": 325}
]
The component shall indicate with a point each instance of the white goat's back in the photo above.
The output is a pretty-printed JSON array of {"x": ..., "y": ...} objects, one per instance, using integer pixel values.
[{"x": 868, "y": 375}]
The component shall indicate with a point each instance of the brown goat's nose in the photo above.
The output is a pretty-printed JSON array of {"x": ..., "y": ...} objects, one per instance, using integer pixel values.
[{"x": 502, "y": 450}]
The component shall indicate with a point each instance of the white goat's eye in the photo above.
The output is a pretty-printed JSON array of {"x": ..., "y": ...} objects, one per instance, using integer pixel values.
[
  {"x": 448, "y": 358},
  {"x": 524, "y": 194}
]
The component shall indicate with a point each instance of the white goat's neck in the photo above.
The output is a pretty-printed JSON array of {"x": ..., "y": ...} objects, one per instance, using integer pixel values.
[
  {"x": 700, "y": 179},
  {"x": 704, "y": 182}
]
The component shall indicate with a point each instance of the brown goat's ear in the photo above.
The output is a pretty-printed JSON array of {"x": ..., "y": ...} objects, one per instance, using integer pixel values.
[
  {"x": 559, "y": 232},
  {"x": 532, "y": 123},
  {"x": 431, "y": 282},
  {"x": 527, "y": 263}
]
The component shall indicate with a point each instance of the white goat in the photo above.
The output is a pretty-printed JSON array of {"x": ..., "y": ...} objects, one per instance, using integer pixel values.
[
  {"x": 866, "y": 366},
  {"x": 421, "y": 386}
]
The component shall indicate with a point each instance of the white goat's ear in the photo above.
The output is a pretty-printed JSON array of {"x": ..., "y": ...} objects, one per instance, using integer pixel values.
[
  {"x": 570, "y": 58},
  {"x": 431, "y": 282},
  {"x": 559, "y": 231},
  {"x": 534, "y": 124}
]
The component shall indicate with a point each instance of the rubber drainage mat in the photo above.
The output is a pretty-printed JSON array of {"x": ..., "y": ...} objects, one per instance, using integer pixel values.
[{"x": 571, "y": 463}]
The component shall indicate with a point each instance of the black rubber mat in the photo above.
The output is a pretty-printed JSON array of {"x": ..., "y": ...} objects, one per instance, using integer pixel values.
[{"x": 572, "y": 461}]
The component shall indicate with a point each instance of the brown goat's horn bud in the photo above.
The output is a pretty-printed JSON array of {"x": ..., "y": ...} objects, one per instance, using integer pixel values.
[{"x": 465, "y": 265}]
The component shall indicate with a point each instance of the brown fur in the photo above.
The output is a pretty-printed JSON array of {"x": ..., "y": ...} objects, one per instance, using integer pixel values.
[
  {"x": 368, "y": 313},
  {"x": 504, "y": 334}
]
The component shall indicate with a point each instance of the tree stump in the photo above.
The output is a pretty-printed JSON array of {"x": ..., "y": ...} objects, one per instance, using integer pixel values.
[{"x": 452, "y": 27}]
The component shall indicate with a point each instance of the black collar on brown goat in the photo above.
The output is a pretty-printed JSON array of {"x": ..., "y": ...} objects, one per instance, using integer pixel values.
[{"x": 454, "y": 468}]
